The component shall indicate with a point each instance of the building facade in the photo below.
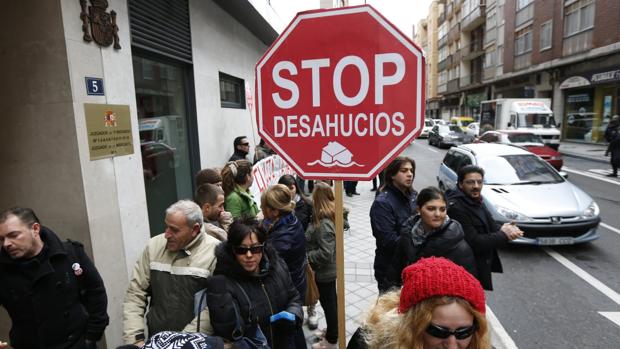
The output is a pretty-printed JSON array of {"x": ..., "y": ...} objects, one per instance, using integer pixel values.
[
  {"x": 184, "y": 71},
  {"x": 565, "y": 50}
]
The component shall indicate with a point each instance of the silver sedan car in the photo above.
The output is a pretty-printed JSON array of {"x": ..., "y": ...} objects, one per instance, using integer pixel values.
[{"x": 519, "y": 186}]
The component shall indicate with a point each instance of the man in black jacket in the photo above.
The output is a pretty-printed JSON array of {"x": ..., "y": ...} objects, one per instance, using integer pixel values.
[
  {"x": 482, "y": 233},
  {"x": 391, "y": 208},
  {"x": 51, "y": 289},
  {"x": 241, "y": 145}
]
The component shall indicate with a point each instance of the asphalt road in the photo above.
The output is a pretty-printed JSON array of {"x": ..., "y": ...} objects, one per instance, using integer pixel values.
[{"x": 542, "y": 301}]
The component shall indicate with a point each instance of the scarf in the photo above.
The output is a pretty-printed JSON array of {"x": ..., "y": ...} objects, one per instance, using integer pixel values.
[{"x": 419, "y": 234}]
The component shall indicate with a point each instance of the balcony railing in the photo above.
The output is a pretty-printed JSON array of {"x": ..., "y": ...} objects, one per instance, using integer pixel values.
[
  {"x": 577, "y": 43},
  {"x": 453, "y": 85},
  {"x": 442, "y": 88},
  {"x": 524, "y": 15},
  {"x": 523, "y": 61},
  {"x": 467, "y": 80},
  {"x": 454, "y": 33},
  {"x": 473, "y": 50},
  {"x": 474, "y": 18},
  {"x": 490, "y": 73},
  {"x": 441, "y": 66}
]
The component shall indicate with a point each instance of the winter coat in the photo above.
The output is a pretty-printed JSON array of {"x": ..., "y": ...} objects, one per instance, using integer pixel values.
[
  {"x": 240, "y": 203},
  {"x": 269, "y": 292},
  {"x": 614, "y": 149},
  {"x": 448, "y": 241},
  {"x": 482, "y": 233},
  {"x": 262, "y": 152},
  {"x": 238, "y": 155},
  {"x": 287, "y": 237},
  {"x": 321, "y": 247},
  {"x": 388, "y": 212},
  {"x": 303, "y": 211},
  {"x": 170, "y": 279},
  {"x": 50, "y": 305}
]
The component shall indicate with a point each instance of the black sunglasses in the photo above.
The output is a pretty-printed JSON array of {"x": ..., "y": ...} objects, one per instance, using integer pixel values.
[
  {"x": 245, "y": 144},
  {"x": 241, "y": 250},
  {"x": 443, "y": 333}
]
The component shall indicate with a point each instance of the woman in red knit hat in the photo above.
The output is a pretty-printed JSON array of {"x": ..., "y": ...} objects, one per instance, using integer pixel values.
[{"x": 440, "y": 306}]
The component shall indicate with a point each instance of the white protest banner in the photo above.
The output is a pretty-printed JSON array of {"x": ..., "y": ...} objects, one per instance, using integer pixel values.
[{"x": 267, "y": 172}]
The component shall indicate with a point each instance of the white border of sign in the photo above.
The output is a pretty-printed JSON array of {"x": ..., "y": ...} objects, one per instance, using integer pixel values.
[{"x": 371, "y": 11}]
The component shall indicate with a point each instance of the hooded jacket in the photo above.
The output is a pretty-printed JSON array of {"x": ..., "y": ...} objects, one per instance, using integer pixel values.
[
  {"x": 49, "y": 304},
  {"x": 170, "y": 279},
  {"x": 287, "y": 237},
  {"x": 448, "y": 241},
  {"x": 268, "y": 292},
  {"x": 482, "y": 233},
  {"x": 388, "y": 212}
]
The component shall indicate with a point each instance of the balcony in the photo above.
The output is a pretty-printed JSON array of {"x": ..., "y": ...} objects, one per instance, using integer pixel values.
[
  {"x": 490, "y": 36},
  {"x": 442, "y": 88},
  {"x": 523, "y": 61},
  {"x": 473, "y": 19},
  {"x": 524, "y": 15},
  {"x": 453, "y": 59},
  {"x": 453, "y": 85},
  {"x": 489, "y": 73},
  {"x": 473, "y": 50},
  {"x": 454, "y": 33},
  {"x": 442, "y": 41},
  {"x": 441, "y": 66},
  {"x": 473, "y": 79}
]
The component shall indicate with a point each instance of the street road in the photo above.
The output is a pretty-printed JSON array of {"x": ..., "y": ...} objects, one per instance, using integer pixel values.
[{"x": 546, "y": 302}]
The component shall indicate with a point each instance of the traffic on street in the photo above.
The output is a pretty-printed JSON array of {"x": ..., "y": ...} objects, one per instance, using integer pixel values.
[{"x": 555, "y": 296}]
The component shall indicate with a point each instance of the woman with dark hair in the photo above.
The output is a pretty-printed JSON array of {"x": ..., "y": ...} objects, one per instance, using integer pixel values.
[
  {"x": 252, "y": 280},
  {"x": 431, "y": 233},
  {"x": 236, "y": 182},
  {"x": 303, "y": 205}
]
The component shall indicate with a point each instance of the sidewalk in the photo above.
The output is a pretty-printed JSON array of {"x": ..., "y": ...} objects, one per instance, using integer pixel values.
[{"x": 587, "y": 151}]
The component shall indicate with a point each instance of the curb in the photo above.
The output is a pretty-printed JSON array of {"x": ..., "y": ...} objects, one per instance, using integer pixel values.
[{"x": 584, "y": 157}]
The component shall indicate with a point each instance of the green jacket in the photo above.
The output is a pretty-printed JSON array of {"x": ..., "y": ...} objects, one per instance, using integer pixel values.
[
  {"x": 321, "y": 248},
  {"x": 241, "y": 203}
]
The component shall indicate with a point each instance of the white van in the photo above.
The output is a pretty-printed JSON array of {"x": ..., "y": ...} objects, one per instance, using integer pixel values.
[{"x": 531, "y": 115}]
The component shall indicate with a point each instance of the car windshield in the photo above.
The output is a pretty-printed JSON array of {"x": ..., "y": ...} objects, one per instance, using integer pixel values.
[
  {"x": 449, "y": 128},
  {"x": 455, "y": 129},
  {"x": 517, "y": 170},
  {"x": 536, "y": 120},
  {"x": 466, "y": 122},
  {"x": 524, "y": 138}
]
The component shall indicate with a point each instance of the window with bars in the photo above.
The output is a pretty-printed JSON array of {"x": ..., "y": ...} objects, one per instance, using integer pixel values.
[
  {"x": 578, "y": 17},
  {"x": 546, "y": 35},
  {"x": 232, "y": 92}
]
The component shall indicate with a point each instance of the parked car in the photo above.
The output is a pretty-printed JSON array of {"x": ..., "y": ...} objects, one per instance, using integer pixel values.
[
  {"x": 448, "y": 135},
  {"x": 473, "y": 129},
  {"x": 521, "y": 187},
  {"x": 428, "y": 125},
  {"x": 531, "y": 142}
]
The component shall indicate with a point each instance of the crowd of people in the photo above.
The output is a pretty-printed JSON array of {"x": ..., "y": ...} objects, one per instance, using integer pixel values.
[{"x": 226, "y": 267}]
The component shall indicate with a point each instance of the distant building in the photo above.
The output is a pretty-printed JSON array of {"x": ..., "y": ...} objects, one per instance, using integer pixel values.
[{"x": 569, "y": 52}]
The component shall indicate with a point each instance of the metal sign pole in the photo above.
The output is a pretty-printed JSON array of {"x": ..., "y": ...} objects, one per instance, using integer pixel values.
[{"x": 342, "y": 334}]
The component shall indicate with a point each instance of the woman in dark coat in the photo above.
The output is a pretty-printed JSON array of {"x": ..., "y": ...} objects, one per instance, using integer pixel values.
[
  {"x": 431, "y": 233},
  {"x": 303, "y": 205},
  {"x": 612, "y": 135},
  {"x": 251, "y": 277}
]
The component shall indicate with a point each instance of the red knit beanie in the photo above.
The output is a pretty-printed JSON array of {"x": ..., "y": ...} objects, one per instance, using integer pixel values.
[{"x": 439, "y": 277}]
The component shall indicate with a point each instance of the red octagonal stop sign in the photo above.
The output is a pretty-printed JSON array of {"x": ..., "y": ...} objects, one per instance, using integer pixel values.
[{"x": 340, "y": 93}]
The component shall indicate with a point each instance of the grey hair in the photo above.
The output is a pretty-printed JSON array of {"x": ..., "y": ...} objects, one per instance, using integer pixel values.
[{"x": 191, "y": 211}]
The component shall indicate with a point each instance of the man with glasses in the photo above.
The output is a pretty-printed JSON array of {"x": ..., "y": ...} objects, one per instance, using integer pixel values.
[
  {"x": 242, "y": 148},
  {"x": 172, "y": 269},
  {"x": 482, "y": 233},
  {"x": 50, "y": 288}
]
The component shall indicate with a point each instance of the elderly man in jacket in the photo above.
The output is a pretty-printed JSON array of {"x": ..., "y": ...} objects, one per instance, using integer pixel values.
[
  {"x": 482, "y": 233},
  {"x": 50, "y": 288},
  {"x": 172, "y": 269}
]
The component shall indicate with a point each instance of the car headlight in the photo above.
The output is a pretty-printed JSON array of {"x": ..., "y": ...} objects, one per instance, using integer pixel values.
[
  {"x": 592, "y": 211},
  {"x": 511, "y": 215}
]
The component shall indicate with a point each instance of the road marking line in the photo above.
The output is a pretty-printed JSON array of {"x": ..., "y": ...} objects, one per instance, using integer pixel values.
[
  {"x": 431, "y": 149},
  {"x": 594, "y": 282},
  {"x": 609, "y": 227},
  {"x": 612, "y": 315},
  {"x": 498, "y": 332},
  {"x": 590, "y": 175}
]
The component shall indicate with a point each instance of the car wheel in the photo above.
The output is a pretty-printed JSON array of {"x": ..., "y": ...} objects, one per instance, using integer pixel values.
[{"x": 441, "y": 145}]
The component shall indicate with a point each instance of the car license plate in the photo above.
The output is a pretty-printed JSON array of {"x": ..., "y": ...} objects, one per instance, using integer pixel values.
[{"x": 556, "y": 241}]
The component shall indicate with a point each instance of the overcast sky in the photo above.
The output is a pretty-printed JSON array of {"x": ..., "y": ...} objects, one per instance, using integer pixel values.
[{"x": 405, "y": 14}]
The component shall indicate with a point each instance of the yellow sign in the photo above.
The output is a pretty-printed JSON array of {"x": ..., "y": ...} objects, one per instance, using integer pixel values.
[{"x": 109, "y": 130}]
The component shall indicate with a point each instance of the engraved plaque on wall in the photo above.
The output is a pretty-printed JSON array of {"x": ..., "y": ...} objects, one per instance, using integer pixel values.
[{"x": 108, "y": 129}]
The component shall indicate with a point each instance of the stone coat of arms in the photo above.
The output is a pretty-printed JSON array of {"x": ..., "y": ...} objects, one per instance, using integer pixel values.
[{"x": 103, "y": 29}]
